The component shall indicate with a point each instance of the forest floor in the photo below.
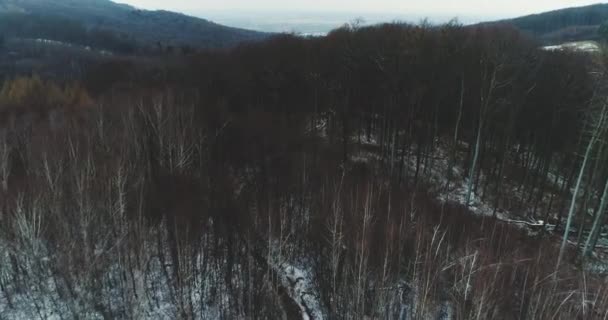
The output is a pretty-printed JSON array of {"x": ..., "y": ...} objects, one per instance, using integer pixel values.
[
  {"x": 43, "y": 295},
  {"x": 434, "y": 173}
]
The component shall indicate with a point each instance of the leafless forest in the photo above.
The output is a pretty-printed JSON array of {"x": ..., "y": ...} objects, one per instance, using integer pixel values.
[{"x": 387, "y": 172}]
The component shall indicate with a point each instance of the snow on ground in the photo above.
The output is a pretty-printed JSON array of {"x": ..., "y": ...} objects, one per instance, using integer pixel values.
[
  {"x": 434, "y": 173},
  {"x": 297, "y": 278},
  {"x": 44, "y": 295},
  {"x": 119, "y": 289},
  {"x": 299, "y": 283},
  {"x": 155, "y": 299},
  {"x": 69, "y": 45},
  {"x": 583, "y": 46}
]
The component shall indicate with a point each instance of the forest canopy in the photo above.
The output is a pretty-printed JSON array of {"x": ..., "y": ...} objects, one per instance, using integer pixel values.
[
  {"x": 34, "y": 26},
  {"x": 371, "y": 173},
  {"x": 35, "y": 94}
]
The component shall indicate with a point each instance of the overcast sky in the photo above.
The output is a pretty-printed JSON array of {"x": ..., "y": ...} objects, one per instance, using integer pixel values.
[{"x": 490, "y": 8}]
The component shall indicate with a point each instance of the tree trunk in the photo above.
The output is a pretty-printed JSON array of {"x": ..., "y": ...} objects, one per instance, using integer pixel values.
[
  {"x": 597, "y": 224},
  {"x": 576, "y": 190},
  {"x": 473, "y": 166}
]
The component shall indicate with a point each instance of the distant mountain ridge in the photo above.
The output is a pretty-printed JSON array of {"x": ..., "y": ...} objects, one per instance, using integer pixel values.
[
  {"x": 146, "y": 27},
  {"x": 558, "y": 26}
]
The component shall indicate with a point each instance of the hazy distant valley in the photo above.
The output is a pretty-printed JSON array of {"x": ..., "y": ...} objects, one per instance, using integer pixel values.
[{"x": 316, "y": 23}]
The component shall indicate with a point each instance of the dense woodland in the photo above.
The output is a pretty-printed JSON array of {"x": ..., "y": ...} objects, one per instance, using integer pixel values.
[
  {"x": 375, "y": 173},
  {"x": 113, "y": 26},
  {"x": 559, "y": 26},
  {"x": 32, "y": 26},
  {"x": 559, "y": 19}
]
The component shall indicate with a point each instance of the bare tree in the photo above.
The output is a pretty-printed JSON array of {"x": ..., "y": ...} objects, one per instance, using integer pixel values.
[{"x": 594, "y": 138}]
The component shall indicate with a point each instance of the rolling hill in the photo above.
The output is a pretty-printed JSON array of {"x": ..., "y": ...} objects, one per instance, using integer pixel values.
[
  {"x": 87, "y": 21},
  {"x": 565, "y": 25}
]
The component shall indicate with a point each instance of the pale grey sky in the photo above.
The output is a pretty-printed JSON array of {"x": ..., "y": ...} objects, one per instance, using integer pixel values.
[{"x": 491, "y": 8}]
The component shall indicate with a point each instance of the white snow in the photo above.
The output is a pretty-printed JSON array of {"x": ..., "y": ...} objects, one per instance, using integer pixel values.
[
  {"x": 301, "y": 289},
  {"x": 297, "y": 278},
  {"x": 125, "y": 289},
  {"x": 583, "y": 46}
]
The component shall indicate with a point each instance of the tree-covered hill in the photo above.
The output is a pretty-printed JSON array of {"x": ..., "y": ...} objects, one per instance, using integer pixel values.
[
  {"x": 111, "y": 25},
  {"x": 570, "y": 24}
]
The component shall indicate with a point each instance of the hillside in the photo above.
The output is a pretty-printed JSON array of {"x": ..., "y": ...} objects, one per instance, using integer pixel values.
[
  {"x": 106, "y": 19},
  {"x": 570, "y": 24},
  {"x": 385, "y": 172}
]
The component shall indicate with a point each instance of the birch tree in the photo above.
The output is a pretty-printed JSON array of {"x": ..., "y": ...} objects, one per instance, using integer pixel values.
[
  {"x": 591, "y": 144},
  {"x": 485, "y": 100},
  {"x": 597, "y": 224},
  {"x": 600, "y": 214}
]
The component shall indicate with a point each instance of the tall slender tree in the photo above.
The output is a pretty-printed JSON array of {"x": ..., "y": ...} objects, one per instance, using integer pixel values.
[{"x": 592, "y": 141}]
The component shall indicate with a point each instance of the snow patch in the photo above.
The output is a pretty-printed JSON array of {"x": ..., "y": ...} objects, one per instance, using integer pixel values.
[
  {"x": 300, "y": 285},
  {"x": 582, "y": 46}
]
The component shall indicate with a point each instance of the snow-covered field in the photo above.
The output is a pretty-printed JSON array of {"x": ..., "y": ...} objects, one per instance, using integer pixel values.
[{"x": 584, "y": 46}]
